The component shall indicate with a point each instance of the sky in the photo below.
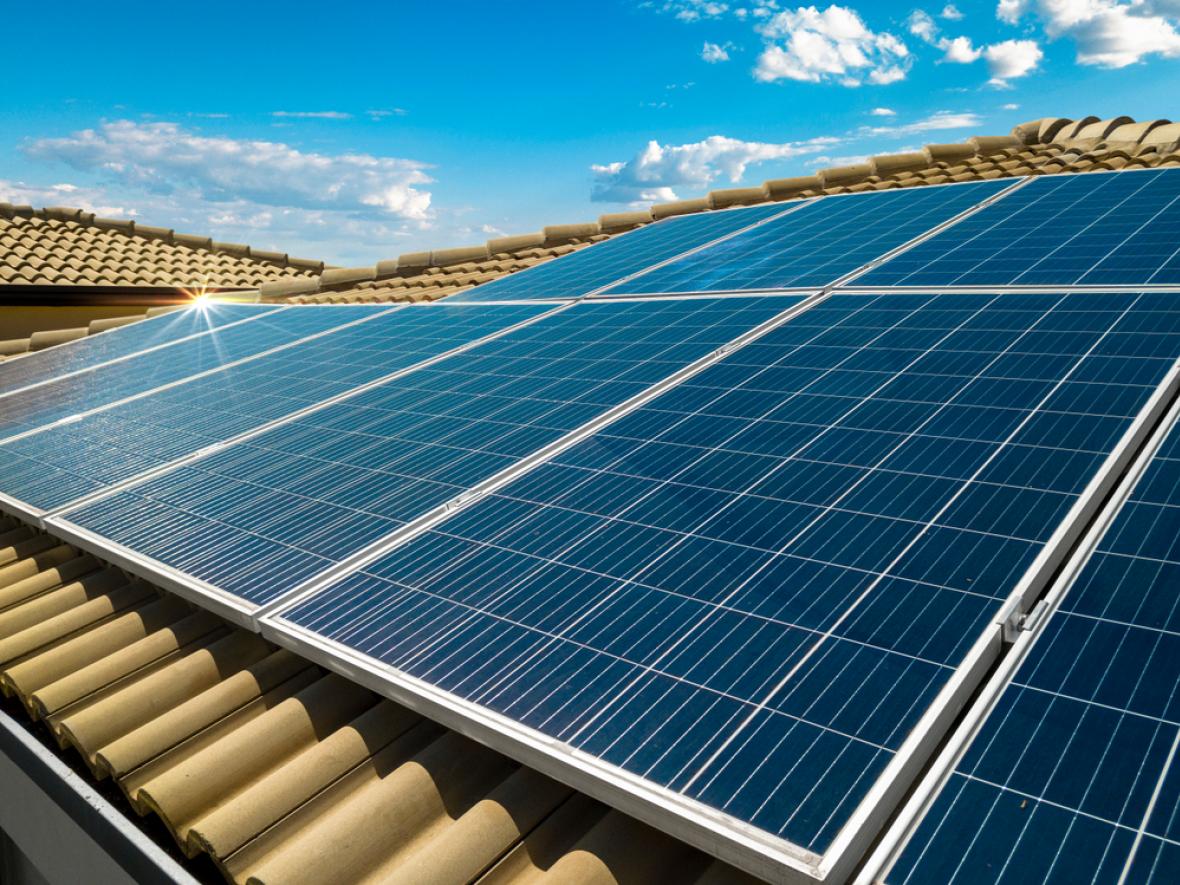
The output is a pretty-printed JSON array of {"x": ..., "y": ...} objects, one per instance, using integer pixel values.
[{"x": 353, "y": 132}]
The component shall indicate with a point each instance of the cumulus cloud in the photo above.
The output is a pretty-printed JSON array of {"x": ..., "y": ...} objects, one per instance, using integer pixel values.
[
  {"x": 657, "y": 170},
  {"x": 834, "y": 45},
  {"x": 1011, "y": 59},
  {"x": 922, "y": 26},
  {"x": 715, "y": 52},
  {"x": 1107, "y": 33},
  {"x": 960, "y": 51},
  {"x": 165, "y": 157},
  {"x": 1011, "y": 106},
  {"x": 1010, "y": 11},
  {"x": 1006, "y": 60},
  {"x": 883, "y": 112},
  {"x": 951, "y": 13}
]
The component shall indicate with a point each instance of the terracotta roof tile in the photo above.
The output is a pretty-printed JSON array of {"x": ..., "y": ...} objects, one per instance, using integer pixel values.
[{"x": 55, "y": 246}]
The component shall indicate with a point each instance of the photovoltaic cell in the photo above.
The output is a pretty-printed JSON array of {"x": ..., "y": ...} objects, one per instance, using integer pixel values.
[
  {"x": 602, "y": 263},
  {"x": 817, "y": 245},
  {"x": 1074, "y": 776},
  {"x": 1097, "y": 229},
  {"x": 264, "y": 515},
  {"x": 748, "y": 591},
  {"x": 48, "y": 470},
  {"x": 29, "y": 409},
  {"x": 74, "y": 356}
]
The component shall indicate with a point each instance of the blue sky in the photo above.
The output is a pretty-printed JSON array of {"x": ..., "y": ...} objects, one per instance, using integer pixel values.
[{"x": 356, "y": 131}]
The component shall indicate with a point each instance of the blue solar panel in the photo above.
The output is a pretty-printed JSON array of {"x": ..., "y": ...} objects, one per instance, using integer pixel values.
[
  {"x": 264, "y": 515},
  {"x": 611, "y": 260},
  {"x": 1074, "y": 776},
  {"x": 1097, "y": 229},
  {"x": 28, "y": 409},
  {"x": 749, "y": 590},
  {"x": 47, "y": 470},
  {"x": 815, "y": 246},
  {"x": 85, "y": 353}
]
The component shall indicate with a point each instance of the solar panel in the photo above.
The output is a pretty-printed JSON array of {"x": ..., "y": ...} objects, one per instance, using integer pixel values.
[
  {"x": 50, "y": 469},
  {"x": 607, "y": 262},
  {"x": 1096, "y": 229},
  {"x": 261, "y": 516},
  {"x": 1074, "y": 776},
  {"x": 65, "y": 397},
  {"x": 815, "y": 246},
  {"x": 743, "y": 596},
  {"x": 103, "y": 347}
]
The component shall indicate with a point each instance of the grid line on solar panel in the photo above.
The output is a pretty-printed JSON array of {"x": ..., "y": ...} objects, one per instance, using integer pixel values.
[
  {"x": 47, "y": 470},
  {"x": 818, "y": 245},
  {"x": 602, "y": 596},
  {"x": 1073, "y": 775},
  {"x": 83, "y": 354},
  {"x": 68, "y": 398},
  {"x": 1095, "y": 229},
  {"x": 263, "y": 516},
  {"x": 623, "y": 255}
]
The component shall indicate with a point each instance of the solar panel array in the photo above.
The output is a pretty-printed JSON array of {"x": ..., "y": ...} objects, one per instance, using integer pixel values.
[
  {"x": 48, "y": 470},
  {"x": 66, "y": 397},
  {"x": 95, "y": 350},
  {"x": 590, "y": 269},
  {"x": 1059, "y": 230},
  {"x": 749, "y": 590},
  {"x": 710, "y": 553},
  {"x": 259, "y": 518},
  {"x": 1075, "y": 776},
  {"x": 815, "y": 246}
]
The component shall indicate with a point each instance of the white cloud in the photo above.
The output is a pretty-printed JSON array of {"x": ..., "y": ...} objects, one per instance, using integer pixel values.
[
  {"x": 1011, "y": 59},
  {"x": 163, "y": 158},
  {"x": 960, "y": 51},
  {"x": 693, "y": 10},
  {"x": 883, "y": 112},
  {"x": 381, "y": 114},
  {"x": 950, "y": 12},
  {"x": 1108, "y": 33},
  {"x": 825, "y": 161},
  {"x": 834, "y": 45},
  {"x": 655, "y": 172},
  {"x": 88, "y": 199},
  {"x": 1011, "y": 106},
  {"x": 922, "y": 26},
  {"x": 1006, "y": 61},
  {"x": 936, "y": 121},
  {"x": 1010, "y": 11},
  {"x": 313, "y": 115},
  {"x": 715, "y": 52}
]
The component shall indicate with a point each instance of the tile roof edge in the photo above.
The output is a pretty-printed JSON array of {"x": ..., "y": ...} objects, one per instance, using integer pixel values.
[
  {"x": 1043, "y": 131},
  {"x": 130, "y": 227}
]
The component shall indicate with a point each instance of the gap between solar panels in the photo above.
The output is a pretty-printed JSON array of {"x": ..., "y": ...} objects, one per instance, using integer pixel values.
[
  {"x": 694, "y": 821},
  {"x": 1023, "y": 630}
]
